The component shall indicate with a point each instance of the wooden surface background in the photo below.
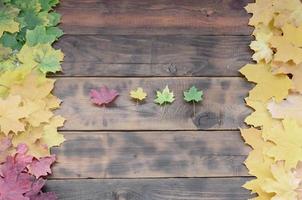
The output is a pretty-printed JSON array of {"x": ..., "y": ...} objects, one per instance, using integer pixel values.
[{"x": 145, "y": 152}]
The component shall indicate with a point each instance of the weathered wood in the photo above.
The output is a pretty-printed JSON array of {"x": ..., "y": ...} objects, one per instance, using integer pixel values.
[
  {"x": 174, "y": 55},
  {"x": 207, "y": 17},
  {"x": 151, "y": 189},
  {"x": 223, "y": 106},
  {"x": 151, "y": 154}
]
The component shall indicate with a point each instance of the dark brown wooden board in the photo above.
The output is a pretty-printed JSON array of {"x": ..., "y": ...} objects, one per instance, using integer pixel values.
[
  {"x": 205, "y": 17},
  {"x": 151, "y": 189},
  {"x": 223, "y": 107},
  {"x": 151, "y": 154},
  {"x": 172, "y": 55}
]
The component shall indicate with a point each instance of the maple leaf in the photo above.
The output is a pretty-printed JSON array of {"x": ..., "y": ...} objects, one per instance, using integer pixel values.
[
  {"x": 103, "y": 96},
  {"x": 42, "y": 56},
  {"x": 193, "y": 95},
  {"x": 164, "y": 97},
  {"x": 41, "y": 35},
  {"x": 288, "y": 144},
  {"x": 288, "y": 45},
  {"x": 289, "y": 108},
  {"x": 262, "y": 11},
  {"x": 5, "y": 146},
  {"x": 138, "y": 94},
  {"x": 287, "y": 12},
  {"x": 283, "y": 184},
  {"x": 257, "y": 162},
  {"x": 7, "y": 20},
  {"x": 41, "y": 167},
  {"x": 51, "y": 137},
  {"x": 261, "y": 44},
  {"x": 268, "y": 85},
  {"x": 11, "y": 113},
  {"x": 294, "y": 70}
]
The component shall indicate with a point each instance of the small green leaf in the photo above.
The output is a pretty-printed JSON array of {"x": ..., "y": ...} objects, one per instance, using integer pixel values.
[
  {"x": 193, "y": 95},
  {"x": 10, "y": 40},
  {"x": 164, "y": 97}
]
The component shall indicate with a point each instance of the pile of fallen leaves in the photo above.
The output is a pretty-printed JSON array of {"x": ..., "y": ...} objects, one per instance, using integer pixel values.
[
  {"x": 276, "y": 123},
  {"x": 28, "y": 126}
]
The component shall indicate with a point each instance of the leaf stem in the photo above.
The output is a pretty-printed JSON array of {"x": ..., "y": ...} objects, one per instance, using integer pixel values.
[
  {"x": 194, "y": 109},
  {"x": 4, "y": 86}
]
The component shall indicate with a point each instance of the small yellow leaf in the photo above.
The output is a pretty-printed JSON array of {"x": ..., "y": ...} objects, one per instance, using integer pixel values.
[{"x": 138, "y": 94}]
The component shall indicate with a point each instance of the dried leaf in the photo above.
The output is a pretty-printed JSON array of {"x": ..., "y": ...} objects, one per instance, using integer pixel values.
[
  {"x": 138, "y": 94},
  {"x": 164, "y": 97},
  {"x": 103, "y": 96}
]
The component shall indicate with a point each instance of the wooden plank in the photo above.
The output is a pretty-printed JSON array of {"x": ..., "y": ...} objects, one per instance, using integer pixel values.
[
  {"x": 134, "y": 55},
  {"x": 150, "y": 154},
  {"x": 207, "y": 17},
  {"x": 223, "y": 106},
  {"x": 151, "y": 189}
]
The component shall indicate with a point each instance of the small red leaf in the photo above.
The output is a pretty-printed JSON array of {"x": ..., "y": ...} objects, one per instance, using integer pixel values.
[{"x": 103, "y": 96}]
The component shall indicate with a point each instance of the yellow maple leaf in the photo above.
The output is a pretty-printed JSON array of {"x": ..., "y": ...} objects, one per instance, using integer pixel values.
[
  {"x": 288, "y": 46},
  {"x": 28, "y": 137},
  {"x": 33, "y": 87},
  {"x": 283, "y": 184},
  {"x": 268, "y": 85},
  {"x": 261, "y": 44},
  {"x": 288, "y": 144},
  {"x": 294, "y": 70},
  {"x": 262, "y": 11},
  {"x": 11, "y": 114},
  {"x": 51, "y": 137},
  {"x": 257, "y": 162},
  {"x": 287, "y": 12},
  {"x": 289, "y": 108},
  {"x": 39, "y": 112},
  {"x": 10, "y": 77},
  {"x": 138, "y": 94}
]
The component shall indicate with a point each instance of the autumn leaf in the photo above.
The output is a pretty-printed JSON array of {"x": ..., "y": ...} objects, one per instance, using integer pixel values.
[
  {"x": 41, "y": 167},
  {"x": 294, "y": 70},
  {"x": 268, "y": 85},
  {"x": 262, "y": 11},
  {"x": 261, "y": 44},
  {"x": 103, "y": 96},
  {"x": 193, "y": 95},
  {"x": 289, "y": 45},
  {"x": 41, "y": 35},
  {"x": 8, "y": 15},
  {"x": 42, "y": 56},
  {"x": 164, "y": 97},
  {"x": 138, "y": 94},
  {"x": 288, "y": 144},
  {"x": 283, "y": 184},
  {"x": 287, "y": 12},
  {"x": 289, "y": 108},
  {"x": 11, "y": 113}
]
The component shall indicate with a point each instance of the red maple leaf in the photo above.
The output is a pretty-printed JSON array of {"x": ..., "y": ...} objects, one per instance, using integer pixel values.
[
  {"x": 103, "y": 96},
  {"x": 16, "y": 180},
  {"x": 41, "y": 167}
]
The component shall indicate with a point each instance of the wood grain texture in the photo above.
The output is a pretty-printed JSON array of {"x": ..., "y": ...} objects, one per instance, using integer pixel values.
[
  {"x": 151, "y": 189},
  {"x": 223, "y": 106},
  {"x": 173, "y": 55},
  {"x": 151, "y": 154},
  {"x": 207, "y": 17}
]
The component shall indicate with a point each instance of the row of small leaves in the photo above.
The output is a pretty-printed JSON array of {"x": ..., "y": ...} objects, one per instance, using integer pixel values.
[
  {"x": 28, "y": 126},
  {"x": 276, "y": 132},
  {"x": 104, "y": 95}
]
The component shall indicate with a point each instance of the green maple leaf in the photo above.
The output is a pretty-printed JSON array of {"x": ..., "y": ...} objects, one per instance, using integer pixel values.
[
  {"x": 7, "y": 20},
  {"x": 42, "y": 56},
  {"x": 48, "y": 4},
  {"x": 10, "y": 40},
  {"x": 193, "y": 95},
  {"x": 164, "y": 97},
  {"x": 41, "y": 35}
]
